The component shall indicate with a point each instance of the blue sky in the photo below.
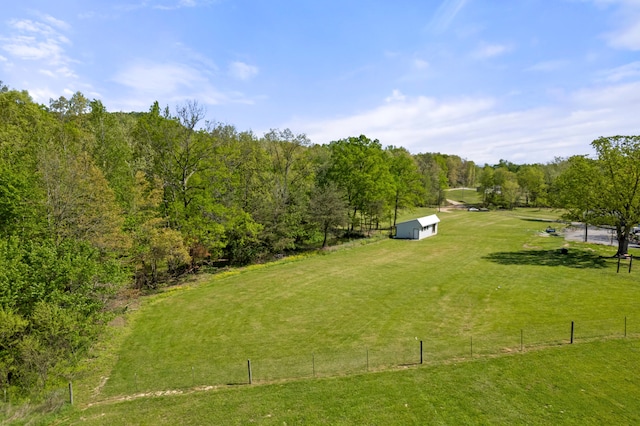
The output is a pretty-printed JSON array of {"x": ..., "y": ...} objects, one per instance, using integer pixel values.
[{"x": 525, "y": 80}]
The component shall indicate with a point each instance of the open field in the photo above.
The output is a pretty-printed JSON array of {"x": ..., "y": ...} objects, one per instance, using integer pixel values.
[
  {"x": 466, "y": 195},
  {"x": 587, "y": 384},
  {"x": 491, "y": 297}
]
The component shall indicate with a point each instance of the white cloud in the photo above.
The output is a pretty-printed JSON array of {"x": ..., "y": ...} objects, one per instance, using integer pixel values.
[
  {"x": 169, "y": 83},
  {"x": 420, "y": 64},
  {"x": 486, "y": 51},
  {"x": 36, "y": 41},
  {"x": 548, "y": 66},
  {"x": 242, "y": 71},
  {"x": 180, "y": 4},
  {"x": 48, "y": 73},
  {"x": 477, "y": 129},
  {"x": 56, "y": 22},
  {"x": 627, "y": 71},
  {"x": 628, "y": 37},
  {"x": 445, "y": 14},
  {"x": 396, "y": 95},
  {"x": 161, "y": 78}
]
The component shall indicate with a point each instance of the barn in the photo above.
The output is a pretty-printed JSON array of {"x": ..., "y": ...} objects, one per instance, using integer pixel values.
[{"x": 417, "y": 229}]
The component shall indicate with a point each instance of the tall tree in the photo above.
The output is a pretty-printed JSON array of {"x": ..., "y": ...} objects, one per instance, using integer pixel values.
[
  {"x": 487, "y": 184},
  {"x": 359, "y": 169},
  {"x": 288, "y": 183},
  {"x": 606, "y": 190},
  {"x": 531, "y": 181},
  {"x": 433, "y": 169},
  {"x": 327, "y": 210},
  {"x": 406, "y": 181}
]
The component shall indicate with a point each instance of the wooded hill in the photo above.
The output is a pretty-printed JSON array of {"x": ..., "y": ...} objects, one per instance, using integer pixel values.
[{"x": 92, "y": 202}]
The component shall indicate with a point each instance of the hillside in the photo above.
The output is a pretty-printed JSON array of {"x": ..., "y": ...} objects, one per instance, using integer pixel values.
[{"x": 491, "y": 296}]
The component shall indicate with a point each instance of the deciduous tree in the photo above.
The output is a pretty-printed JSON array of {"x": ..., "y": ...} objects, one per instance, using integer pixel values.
[{"x": 605, "y": 190}]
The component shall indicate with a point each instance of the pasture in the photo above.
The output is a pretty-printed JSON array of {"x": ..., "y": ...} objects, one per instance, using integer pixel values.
[
  {"x": 490, "y": 297},
  {"x": 466, "y": 195}
]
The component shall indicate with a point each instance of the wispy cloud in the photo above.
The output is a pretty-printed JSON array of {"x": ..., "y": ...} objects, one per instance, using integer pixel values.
[
  {"x": 54, "y": 22},
  {"x": 627, "y": 71},
  {"x": 148, "y": 81},
  {"x": 420, "y": 64},
  {"x": 162, "y": 4},
  {"x": 627, "y": 37},
  {"x": 486, "y": 51},
  {"x": 445, "y": 15},
  {"x": 41, "y": 42},
  {"x": 175, "y": 5},
  {"x": 396, "y": 96},
  {"x": 548, "y": 66},
  {"x": 242, "y": 71},
  {"x": 477, "y": 128}
]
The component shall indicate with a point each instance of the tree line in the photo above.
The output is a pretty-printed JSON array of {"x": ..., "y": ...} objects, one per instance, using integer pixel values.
[{"x": 92, "y": 202}]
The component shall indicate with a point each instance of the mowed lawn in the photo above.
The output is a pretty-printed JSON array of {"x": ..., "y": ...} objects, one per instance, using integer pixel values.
[
  {"x": 467, "y": 195},
  {"x": 487, "y": 284},
  {"x": 592, "y": 383}
]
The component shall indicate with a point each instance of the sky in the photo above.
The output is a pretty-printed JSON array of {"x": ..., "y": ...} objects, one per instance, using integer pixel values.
[{"x": 526, "y": 81}]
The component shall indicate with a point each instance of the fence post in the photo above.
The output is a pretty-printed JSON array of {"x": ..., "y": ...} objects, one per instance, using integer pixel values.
[
  {"x": 625, "y": 326},
  {"x": 618, "y": 270},
  {"x": 630, "y": 262},
  {"x": 313, "y": 363},
  {"x": 70, "y": 393},
  {"x": 571, "y": 332},
  {"x": 249, "y": 368},
  {"x": 421, "y": 357}
]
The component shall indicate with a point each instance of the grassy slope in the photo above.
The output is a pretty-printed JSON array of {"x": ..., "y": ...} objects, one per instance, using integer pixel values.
[
  {"x": 468, "y": 196},
  {"x": 588, "y": 383},
  {"x": 487, "y": 276}
]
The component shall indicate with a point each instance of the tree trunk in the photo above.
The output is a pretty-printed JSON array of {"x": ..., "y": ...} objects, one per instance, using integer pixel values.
[
  {"x": 395, "y": 209},
  {"x": 623, "y": 240},
  {"x": 326, "y": 231},
  {"x": 623, "y": 246}
]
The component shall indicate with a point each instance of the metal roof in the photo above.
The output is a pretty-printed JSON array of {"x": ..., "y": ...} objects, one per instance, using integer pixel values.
[{"x": 424, "y": 221}]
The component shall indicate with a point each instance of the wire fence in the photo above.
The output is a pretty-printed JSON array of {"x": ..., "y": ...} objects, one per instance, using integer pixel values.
[{"x": 220, "y": 371}]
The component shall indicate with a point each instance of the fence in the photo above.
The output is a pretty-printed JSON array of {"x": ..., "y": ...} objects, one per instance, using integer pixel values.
[{"x": 431, "y": 349}]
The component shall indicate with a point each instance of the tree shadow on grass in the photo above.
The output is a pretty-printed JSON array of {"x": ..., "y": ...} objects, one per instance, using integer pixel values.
[
  {"x": 531, "y": 219},
  {"x": 567, "y": 258}
]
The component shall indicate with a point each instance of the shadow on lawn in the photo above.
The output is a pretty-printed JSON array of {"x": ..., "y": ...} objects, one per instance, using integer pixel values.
[
  {"x": 570, "y": 259},
  {"x": 531, "y": 219}
]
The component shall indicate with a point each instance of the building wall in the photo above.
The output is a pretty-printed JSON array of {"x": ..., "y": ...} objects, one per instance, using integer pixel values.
[{"x": 406, "y": 230}]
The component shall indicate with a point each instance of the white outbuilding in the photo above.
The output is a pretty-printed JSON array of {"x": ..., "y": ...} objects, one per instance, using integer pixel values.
[{"x": 417, "y": 229}]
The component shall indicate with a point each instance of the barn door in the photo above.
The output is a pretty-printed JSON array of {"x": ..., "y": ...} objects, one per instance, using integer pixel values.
[{"x": 416, "y": 234}]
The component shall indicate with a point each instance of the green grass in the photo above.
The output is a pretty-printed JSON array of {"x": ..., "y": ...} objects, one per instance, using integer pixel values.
[
  {"x": 467, "y": 196},
  {"x": 589, "y": 383},
  {"x": 486, "y": 281},
  {"x": 486, "y": 277}
]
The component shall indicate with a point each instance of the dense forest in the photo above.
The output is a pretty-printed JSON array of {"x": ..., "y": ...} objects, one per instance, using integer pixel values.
[{"x": 93, "y": 202}]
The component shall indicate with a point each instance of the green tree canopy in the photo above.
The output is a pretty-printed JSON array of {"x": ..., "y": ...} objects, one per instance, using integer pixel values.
[{"x": 605, "y": 190}]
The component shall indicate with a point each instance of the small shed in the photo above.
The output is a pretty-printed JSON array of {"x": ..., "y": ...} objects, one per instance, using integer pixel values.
[{"x": 417, "y": 229}]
